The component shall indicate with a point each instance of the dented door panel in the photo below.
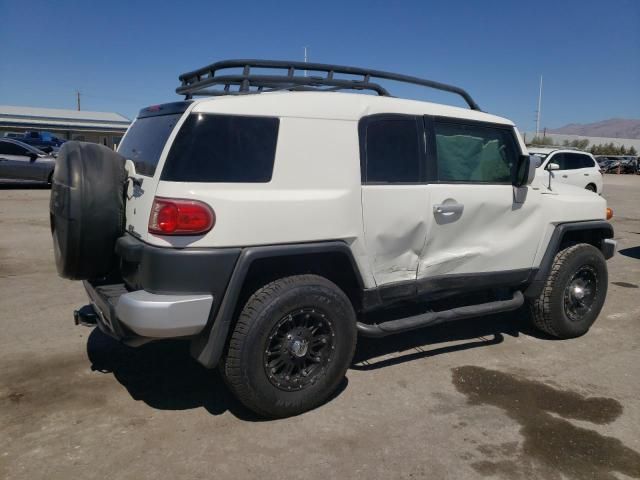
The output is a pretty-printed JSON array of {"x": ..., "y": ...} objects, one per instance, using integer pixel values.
[
  {"x": 491, "y": 233},
  {"x": 395, "y": 227}
]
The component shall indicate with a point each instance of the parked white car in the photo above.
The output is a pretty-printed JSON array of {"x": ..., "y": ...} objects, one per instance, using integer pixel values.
[
  {"x": 262, "y": 224},
  {"x": 573, "y": 167}
]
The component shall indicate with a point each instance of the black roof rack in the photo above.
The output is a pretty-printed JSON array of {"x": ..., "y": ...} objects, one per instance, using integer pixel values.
[{"x": 201, "y": 81}]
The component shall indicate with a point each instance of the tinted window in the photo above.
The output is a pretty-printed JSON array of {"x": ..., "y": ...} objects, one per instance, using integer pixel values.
[
  {"x": 571, "y": 161},
  {"x": 393, "y": 150},
  {"x": 223, "y": 148},
  {"x": 8, "y": 148},
  {"x": 586, "y": 162},
  {"x": 559, "y": 159},
  {"x": 472, "y": 153},
  {"x": 145, "y": 140}
]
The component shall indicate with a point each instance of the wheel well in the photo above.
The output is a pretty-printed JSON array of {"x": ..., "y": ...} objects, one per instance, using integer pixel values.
[
  {"x": 592, "y": 237},
  {"x": 334, "y": 266},
  {"x": 595, "y": 188}
]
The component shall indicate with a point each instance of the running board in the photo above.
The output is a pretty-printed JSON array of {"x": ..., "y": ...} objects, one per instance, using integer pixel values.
[{"x": 434, "y": 318}]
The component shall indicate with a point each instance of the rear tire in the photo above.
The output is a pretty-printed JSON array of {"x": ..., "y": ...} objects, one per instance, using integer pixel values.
[
  {"x": 291, "y": 346},
  {"x": 574, "y": 292}
]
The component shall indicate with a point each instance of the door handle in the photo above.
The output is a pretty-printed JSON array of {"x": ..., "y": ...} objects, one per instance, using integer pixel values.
[
  {"x": 444, "y": 208},
  {"x": 586, "y": 174},
  {"x": 565, "y": 176}
]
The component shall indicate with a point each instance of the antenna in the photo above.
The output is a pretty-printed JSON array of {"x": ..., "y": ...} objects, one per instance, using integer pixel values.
[
  {"x": 78, "y": 98},
  {"x": 539, "y": 111}
]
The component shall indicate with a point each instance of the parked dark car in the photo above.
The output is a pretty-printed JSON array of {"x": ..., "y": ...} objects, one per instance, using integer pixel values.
[
  {"x": 618, "y": 164},
  {"x": 20, "y": 161}
]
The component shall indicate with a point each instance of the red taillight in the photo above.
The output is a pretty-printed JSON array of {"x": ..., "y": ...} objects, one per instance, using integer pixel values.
[{"x": 180, "y": 217}]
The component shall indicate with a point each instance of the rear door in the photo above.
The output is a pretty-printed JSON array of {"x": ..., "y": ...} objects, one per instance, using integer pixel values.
[
  {"x": 586, "y": 173},
  {"x": 146, "y": 142},
  {"x": 477, "y": 231},
  {"x": 394, "y": 194}
]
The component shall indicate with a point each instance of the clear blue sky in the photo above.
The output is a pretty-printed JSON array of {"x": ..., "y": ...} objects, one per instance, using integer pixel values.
[{"x": 123, "y": 55}]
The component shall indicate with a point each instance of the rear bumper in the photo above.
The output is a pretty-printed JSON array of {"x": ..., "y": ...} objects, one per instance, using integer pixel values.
[
  {"x": 124, "y": 315},
  {"x": 163, "y": 292}
]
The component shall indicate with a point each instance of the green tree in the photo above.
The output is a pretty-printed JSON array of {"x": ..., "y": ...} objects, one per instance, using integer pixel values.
[{"x": 541, "y": 141}]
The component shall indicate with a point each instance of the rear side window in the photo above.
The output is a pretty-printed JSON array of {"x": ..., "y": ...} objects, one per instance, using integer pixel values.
[
  {"x": 8, "y": 148},
  {"x": 223, "y": 148},
  {"x": 392, "y": 150},
  {"x": 474, "y": 153},
  {"x": 145, "y": 140},
  {"x": 572, "y": 161},
  {"x": 586, "y": 162}
]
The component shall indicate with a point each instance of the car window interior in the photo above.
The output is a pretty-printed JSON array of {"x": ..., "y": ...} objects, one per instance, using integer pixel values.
[
  {"x": 393, "y": 150},
  {"x": 474, "y": 153},
  {"x": 8, "y": 148}
]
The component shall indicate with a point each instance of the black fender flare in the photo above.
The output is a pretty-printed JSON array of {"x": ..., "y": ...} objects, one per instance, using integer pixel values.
[
  {"x": 209, "y": 346},
  {"x": 604, "y": 229}
]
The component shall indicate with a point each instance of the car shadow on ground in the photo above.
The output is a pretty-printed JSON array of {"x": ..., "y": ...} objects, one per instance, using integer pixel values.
[
  {"x": 164, "y": 376},
  {"x": 633, "y": 252},
  {"x": 26, "y": 185},
  {"x": 428, "y": 342}
]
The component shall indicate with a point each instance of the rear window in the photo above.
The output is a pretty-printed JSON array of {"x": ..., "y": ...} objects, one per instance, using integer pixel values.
[
  {"x": 145, "y": 140},
  {"x": 223, "y": 148},
  {"x": 393, "y": 150}
]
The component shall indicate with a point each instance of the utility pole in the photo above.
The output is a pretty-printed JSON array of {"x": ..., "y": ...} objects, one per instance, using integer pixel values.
[
  {"x": 539, "y": 111},
  {"x": 78, "y": 98},
  {"x": 305, "y": 59}
]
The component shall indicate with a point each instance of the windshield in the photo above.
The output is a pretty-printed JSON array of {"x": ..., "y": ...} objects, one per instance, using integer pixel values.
[{"x": 145, "y": 140}]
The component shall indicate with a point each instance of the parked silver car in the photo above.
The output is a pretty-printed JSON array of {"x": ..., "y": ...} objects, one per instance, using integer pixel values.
[{"x": 20, "y": 161}]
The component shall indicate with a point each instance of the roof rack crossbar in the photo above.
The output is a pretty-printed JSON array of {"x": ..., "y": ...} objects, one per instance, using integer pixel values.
[{"x": 198, "y": 82}]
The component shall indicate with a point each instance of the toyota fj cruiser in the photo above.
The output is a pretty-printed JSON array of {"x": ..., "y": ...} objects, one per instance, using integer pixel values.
[{"x": 264, "y": 221}]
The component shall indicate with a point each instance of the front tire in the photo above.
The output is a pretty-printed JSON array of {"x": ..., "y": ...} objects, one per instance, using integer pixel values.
[
  {"x": 574, "y": 292},
  {"x": 291, "y": 346}
]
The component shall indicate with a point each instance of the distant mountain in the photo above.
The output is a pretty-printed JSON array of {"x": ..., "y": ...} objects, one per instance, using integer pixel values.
[{"x": 613, "y": 128}]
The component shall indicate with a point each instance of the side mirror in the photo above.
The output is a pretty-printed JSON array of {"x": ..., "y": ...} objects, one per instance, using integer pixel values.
[
  {"x": 33, "y": 156},
  {"x": 553, "y": 166},
  {"x": 526, "y": 170},
  {"x": 47, "y": 149}
]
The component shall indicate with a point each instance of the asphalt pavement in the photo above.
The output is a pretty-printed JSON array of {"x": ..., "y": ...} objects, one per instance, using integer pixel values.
[{"x": 483, "y": 398}]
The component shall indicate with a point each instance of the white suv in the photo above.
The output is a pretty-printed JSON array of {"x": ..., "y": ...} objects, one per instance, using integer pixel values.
[
  {"x": 573, "y": 167},
  {"x": 265, "y": 220}
]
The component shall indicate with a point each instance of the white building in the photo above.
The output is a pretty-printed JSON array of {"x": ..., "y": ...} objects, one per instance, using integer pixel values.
[
  {"x": 559, "y": 138},
  {"x": 106, "y": 128}
]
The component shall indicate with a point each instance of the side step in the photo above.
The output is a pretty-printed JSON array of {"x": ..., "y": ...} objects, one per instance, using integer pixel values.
[{"x": 434, "y": 318}]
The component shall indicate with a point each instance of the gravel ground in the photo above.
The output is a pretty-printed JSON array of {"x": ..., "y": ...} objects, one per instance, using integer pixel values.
[{"x": 485, "y": 398}]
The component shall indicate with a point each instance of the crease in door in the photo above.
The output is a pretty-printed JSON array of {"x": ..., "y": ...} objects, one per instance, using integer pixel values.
[{"x": 401, "y": 245}]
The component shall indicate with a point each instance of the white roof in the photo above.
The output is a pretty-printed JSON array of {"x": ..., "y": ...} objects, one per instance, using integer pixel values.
[
  {"x": 332, "y": 105},
  {"x": 548, "y": 150},
  {"x": 542, "y": 150},
  {"x": 55, "y": 117}
]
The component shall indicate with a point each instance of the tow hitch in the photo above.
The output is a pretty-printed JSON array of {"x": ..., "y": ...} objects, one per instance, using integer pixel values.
[{"x": 86, "y": 316}]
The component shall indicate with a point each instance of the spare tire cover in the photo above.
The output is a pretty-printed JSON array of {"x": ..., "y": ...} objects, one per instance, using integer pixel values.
[{"x": 87, "y": 209}]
